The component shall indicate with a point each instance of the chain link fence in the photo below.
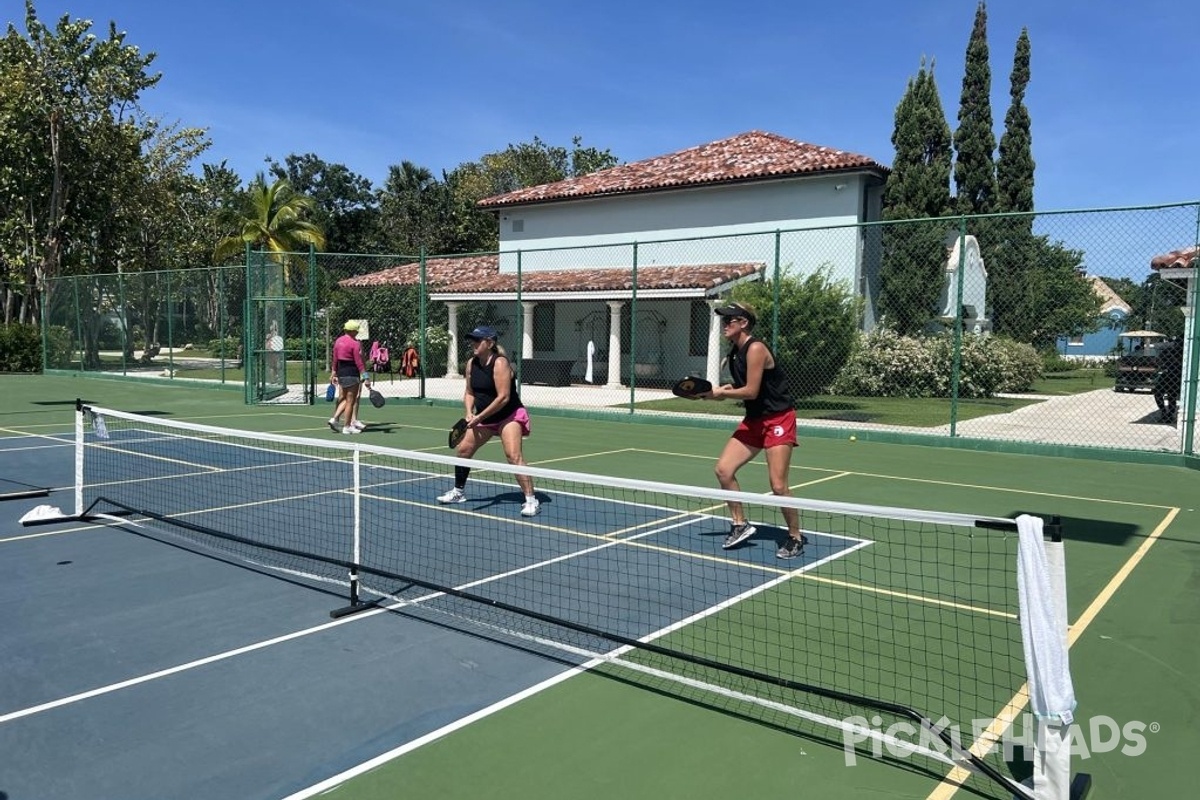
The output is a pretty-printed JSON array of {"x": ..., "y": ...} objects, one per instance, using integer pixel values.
[{"x": 1042, "y": 329}]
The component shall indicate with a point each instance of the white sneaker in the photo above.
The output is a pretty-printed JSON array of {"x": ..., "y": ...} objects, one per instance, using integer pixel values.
[
  {"x": 350, "y": 429},
  {"x": 531, "y": 507},
  {"x": 358, "y": 423},
  {"x": 455, "y": 495},
  {"x": 333, "y": 424}
]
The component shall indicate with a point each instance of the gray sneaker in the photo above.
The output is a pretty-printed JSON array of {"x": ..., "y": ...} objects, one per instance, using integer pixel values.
[
  {"x": 791, "y": 547},
  {"x": 738, "y": 534}
]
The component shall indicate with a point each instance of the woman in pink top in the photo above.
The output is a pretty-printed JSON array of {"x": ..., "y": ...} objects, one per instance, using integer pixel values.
[{"x": 348, "y": 369}]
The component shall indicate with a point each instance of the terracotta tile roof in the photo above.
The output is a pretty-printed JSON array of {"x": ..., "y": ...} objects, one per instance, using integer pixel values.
[
  {"x": 743, "y": 157},
  {"x": 481, "y": 274},
  {"x": 1176, "y": 259},
  {"x": 438, "y": 272},
  {"x": 1110, "y": 299}
]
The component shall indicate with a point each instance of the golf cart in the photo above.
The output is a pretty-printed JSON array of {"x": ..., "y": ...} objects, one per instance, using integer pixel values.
[{"x": 1138, "y": 363}]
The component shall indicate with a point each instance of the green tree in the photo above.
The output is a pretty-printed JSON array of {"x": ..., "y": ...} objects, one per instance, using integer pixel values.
[
  {"x": 1009, "y": 260},
  {"x": 975, "y": 141},
  {"x": 1015, "y": 167},
  {"x": 1061, "y": 299},
  {"x": 344, "y": 203},
  {"x": 918, "y": 188},
  {"x": 818, "y": 326},
  {"x": 413, "y": 207},
  {"x": 518, "y": 166},
  {"x": 273, "y": 218},
  {"x": 70, "y": 137},
  {"x": 1154, "y": 304}
]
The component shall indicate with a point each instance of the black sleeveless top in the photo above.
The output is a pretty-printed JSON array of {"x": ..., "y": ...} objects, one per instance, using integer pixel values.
[
  {"x": 483, "y": 386},
  {"x": 773, "y": 393}
]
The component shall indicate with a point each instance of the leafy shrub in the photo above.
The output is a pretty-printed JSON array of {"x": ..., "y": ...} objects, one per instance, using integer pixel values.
[
  {"x": 229, "y": 347},
  {"x": 886, "y": 364},
  {"x": 1053, "y": 361},
  {"x": 59, "y": 347},
  {"x": 20, "y": 348},
  {"x": 437, "y": 347},
  {"x": 818, "y": 326}
]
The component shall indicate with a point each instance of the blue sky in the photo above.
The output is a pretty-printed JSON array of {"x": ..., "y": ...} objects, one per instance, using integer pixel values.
[{"x": 370, "y": 83}]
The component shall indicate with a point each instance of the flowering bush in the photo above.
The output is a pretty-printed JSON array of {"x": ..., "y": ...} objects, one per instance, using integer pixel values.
[{"x": 887, "y": 364}]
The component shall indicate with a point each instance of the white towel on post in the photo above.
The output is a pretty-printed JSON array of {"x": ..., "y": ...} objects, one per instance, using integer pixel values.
[
  {"x": 1043, "y": 629},
  {"x": 591, "y": 352}
]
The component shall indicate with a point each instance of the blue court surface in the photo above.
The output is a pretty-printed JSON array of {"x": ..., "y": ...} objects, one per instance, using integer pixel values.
[{"x": 139, "y": 662}]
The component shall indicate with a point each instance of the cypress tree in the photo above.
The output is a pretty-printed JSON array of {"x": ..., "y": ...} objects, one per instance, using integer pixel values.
[
  {"x": 917, "y": 188},
  {"x": 1011, "y": 286},
  {"x": 975, "y": 141},
  {"x": 1014, "y": 169}
]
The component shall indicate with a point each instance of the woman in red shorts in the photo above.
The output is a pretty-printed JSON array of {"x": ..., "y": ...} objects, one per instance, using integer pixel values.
[{"x": 769, "y": 424}]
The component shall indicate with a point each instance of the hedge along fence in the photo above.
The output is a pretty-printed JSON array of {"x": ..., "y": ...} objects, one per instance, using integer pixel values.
[
  {"x": 887, "y": 364},
  {"x": 21, "y": 347}
]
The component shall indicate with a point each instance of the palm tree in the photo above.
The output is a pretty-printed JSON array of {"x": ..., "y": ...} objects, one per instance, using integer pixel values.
[{"x": 272, "y": 218}]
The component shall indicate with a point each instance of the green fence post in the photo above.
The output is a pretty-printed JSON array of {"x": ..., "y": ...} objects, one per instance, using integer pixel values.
[
  {"x": 78, "y": 322},
  {"x": 44, "y": 323},
  {"x": 124, "y": 323},
  {"x": 309, "y": 327},
  {"x": 422, "y": 316},
  {"x": 956, "y": 368},
  {"x": 222, "y": 303},
  {"x": 1193, "y": 291},
  {"x": 775, "y": 298},
  {"x": 633, "y": 333},
  {"x": 247, "y": 356},
  {"x": 170, "y": 331},
  {"x": 521, "y": 318}
]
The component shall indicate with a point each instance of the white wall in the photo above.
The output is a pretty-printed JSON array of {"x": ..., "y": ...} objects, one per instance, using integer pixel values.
[{"x": 598, "y": 231}]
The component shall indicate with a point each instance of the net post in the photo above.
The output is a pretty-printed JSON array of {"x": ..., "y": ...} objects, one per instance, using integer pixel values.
[
  {"x": 355, "y": 604},
  {"x": 47, "y": 514},
  {"x": 79, "y": 414},
  {"x": 1051, "y": 779}
]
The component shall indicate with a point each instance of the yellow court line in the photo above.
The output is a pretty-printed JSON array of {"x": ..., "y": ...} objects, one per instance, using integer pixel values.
[
  {"x": 919, "y": 598},
  {"x": 958, "y": 775},
  {"x": 1030, "y": 492},
  {"x": 940, "y": 482},
  {"x": 614, "y": 537},
  {"x": 584, "y": 455}
]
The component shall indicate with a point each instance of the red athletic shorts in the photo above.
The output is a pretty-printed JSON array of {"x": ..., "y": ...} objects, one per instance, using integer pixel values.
[{"x": 771, "y": 430}]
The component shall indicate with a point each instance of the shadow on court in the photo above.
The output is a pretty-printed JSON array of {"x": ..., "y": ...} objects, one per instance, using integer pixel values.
[
  {"x": 1096, "y": 531},
  {"x": 817, "y": 735}
]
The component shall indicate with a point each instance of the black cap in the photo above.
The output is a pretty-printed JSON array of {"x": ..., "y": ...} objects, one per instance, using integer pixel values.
[
  {"x": 483, "y": 332},
  {"x": 735, "y": 310}
]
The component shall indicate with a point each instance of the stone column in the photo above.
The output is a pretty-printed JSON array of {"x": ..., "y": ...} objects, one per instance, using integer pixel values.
[
  {"x": 614, "y": 344},
  {"x": 527, "y": 333},
  {"x": 452, "y": 354}
]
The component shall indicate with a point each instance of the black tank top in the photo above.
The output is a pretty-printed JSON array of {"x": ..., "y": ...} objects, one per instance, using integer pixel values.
[
  {"x": 773, "y": 393},
  {"x": 483, "y": 386}
]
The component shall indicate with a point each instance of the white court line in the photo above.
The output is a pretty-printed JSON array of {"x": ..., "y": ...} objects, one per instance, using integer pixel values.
[
  {"x": 432, "y": 736},
  {"x": 102, "y": 690}
]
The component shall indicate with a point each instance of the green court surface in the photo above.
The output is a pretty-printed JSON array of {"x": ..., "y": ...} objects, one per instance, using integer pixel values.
[{"x": 1133, "y": 571}]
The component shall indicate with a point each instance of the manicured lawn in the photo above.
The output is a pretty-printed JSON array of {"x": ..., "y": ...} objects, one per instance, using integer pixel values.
[
  {"x": 920, "y": 412},
  {"x": 923, "y": 412},
  {"x": 1074, "y": 381}
]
